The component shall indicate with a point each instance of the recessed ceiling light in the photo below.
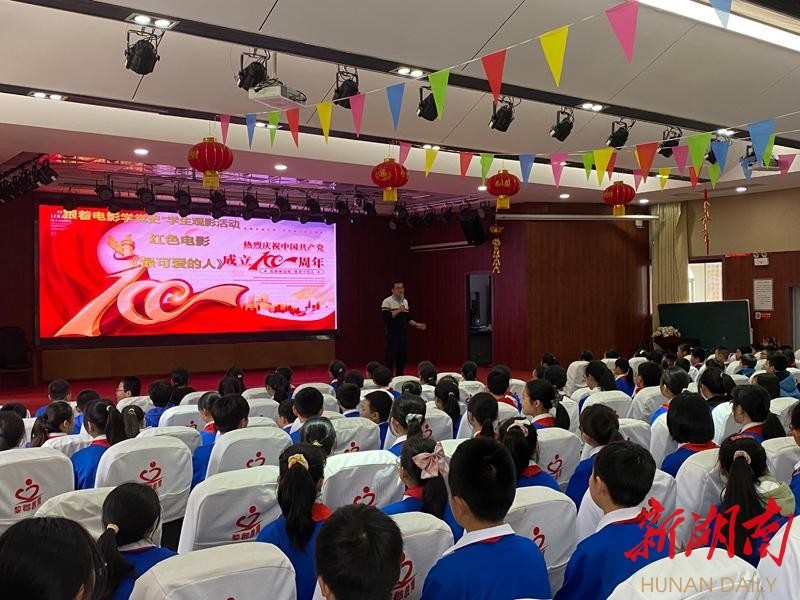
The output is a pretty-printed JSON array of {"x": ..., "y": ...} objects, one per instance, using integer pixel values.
[
  {"x": 163, "y": 23},
  {"x": 141, "y": 151},
  {"x": 403, "y": 71},
  {"x": 426, "y": 146},
  {"x": 563, "y": 163},
  {"x": 151, "y": 21},
  {"x": 597, "y": 107},
  {"x": 280, "y": 167},
  {"x": 271, "y": 126},
  {"x": 142, "y": 20},
  {"x": 39, "y": 95},
  {"x": 726, "y": 132},
  {"x": 436, "y": 148},
  {"x": 741, "y": 189},
  {"x": 260, "y": 124},
  {"x": 643, "y": 201},
  {"x": 564, "y": 196},
  {"x": 587, "y": 105},
  {"x": 417, "y": 73},
  {"x": 482, "y": 188},
  {"x": 56, "y": 97}
]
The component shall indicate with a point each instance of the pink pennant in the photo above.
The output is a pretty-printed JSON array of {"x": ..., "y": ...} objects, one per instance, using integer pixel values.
[
  {"x": 357, "y": 108},
  {"x": 466, "y": 158},
  {"x": 224, "y": 123},
  {"x": 493, "y": 65},
  {"x": 293, "y": 118},
  {"x": 637, "y": 178},
  {"x": 680, "y": 154},
  {"x": 611, "y": 162},
  {"x": 623, "y": 18},
  {"x": 557, "y": 162},
  {"x": 785, "y": 162},
  {"x": 405, "y": 148}
]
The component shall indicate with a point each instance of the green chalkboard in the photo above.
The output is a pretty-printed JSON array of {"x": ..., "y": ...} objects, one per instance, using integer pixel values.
[{"x": 713, "y": 323}]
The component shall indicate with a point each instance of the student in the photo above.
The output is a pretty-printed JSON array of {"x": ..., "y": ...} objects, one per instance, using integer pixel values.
[
  {"x": 57, "y": 391},
  {"x": 229, "y": 385},
  {"x": 750, "y": 407},
  {"x": 82, "y": 400},
  {"x": 743, "y": 350},
  {"x": 684, "y": 351},
  {"x": 621, "y": 479},
  {"x": 406, "y": 420},
  {"x": 128, "y": 387},
  {"x": 673, "y": 382},
  {"x": 237, "y": 374},
  {"x": 422, "y": 471},
  {"x": 286, "y": 416},
  {"x": 104, "y": 423},
  {"x": 56, "y": 421},
  {"x": 348, "y": 395},
  {"x": 623, "y": 376},
  {"x": 712, "y": 387},
  {"x": 179, "y": 378},
  {"x": 50, "y": 558},
  {"x": 748, "y": 365},
  {"x": 690, "y": 424},
  {"x": 647, "y": 375},
  {"x": 319, "y": 432},
  {"x": 371, "y": 366},
  {"x": 489, "y": 562},
  {"x": 586, "y": 355},
  {"x": 355, "y": 377},
  {"x": 777, "y": 365},
  {"x": 538, "y": 372},
  {"x": 539, "y": 398},
  {"x": 131, "y": 515},
  {"x": 598, "y": 379},
  {"x": 295, "y": 532},
  {"x": 160, "y": 393},
  {"x": 469, "y": 370},
  {"x": 721, "y": 353},
  {"x": 286, "y": 372},
  {"x": 358, "y": 554},
  {"x": 383, "y": 379},
  {"x": 277, "y": 387},
  {"x": 599, "y": 427},
  {"x": 611, "y": 353},
  {"x": 12, "y": 430},
  {"x": 445, "y": 396},
  {"x": 209, "y": 432},
  {"x": 497, "y": 384},
  {"x": 16, "y": 407},
  {"x": 769, "y": 382},
  {"x": 308, "y": 403},
  {"x": 669, "y": 360},
  {"x": 377, "y": 406},
  {"x": 683, "y": 363},
  {"x": 557, "y": 375},
  {"x": 230, "y": 412},
  {"x": 482, "y": 415},
  {"x": 337, "y": 370},
  {"x": 549, "y": 360},
  {"x": 521, "y": 440},
  {"x": 132, "y": 420},
  {"x": 427, "y": 373},
  {"x": 411, "y": 387}
]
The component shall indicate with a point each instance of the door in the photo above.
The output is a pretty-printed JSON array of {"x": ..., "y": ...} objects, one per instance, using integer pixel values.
[{"x": 479, "y": 318}]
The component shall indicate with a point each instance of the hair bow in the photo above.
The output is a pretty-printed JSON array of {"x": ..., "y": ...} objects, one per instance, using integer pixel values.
[
  {"x": 741, "y": 454},
  {"x": 432, "y": 464},
  {"x": 520, "y": 424},
  {"x": 297, "y": 459},
  {"x": 410, "y": 417}
]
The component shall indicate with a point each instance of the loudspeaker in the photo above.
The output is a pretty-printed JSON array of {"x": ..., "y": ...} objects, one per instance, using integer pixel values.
[{"x": 472, "y": 227}]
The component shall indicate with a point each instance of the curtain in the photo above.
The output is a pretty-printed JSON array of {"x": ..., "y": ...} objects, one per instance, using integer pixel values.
[{"x": 669, "y": 246}]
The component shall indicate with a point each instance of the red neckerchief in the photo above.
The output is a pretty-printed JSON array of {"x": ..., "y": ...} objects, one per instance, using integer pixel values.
[
  {"x": 320, "y": 512},
  {"x": 548, "y": 421},
  {"x": 531, "y": 471},
  {"x": 104, "y": 443},
  {"x": 210, "y": 427},
  {"x": 415, "y": 492},
  {"x": 758, "y": 429},
  {"x": 492, "y": 540},
  {"x": 665, "y": 406},
  {"x": 636, "y": 390},
  {"x": 508, "y": 400},
  {"x": 699, "y": 447}
]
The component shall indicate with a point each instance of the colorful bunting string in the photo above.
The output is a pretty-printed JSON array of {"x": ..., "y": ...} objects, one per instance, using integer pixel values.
[
  {"x": 357, "y": 110},
  {"x": 526, "y": 165},
  {"x": 394, "y": 95},
  {"x": 324, "y": 112},
  {"x": 493, "y": 65},
  {"x": 723, "y": 8},
  {"x": 554, "y": 47},
  {"x": 486, "y": 164},
  {"x": 224, "y": 124},
  {"x": 623, "y": 19},
  {"x": 680, "y": 154},
  {"x": 273, "y": 118},
  {"x": 438, "y": 82},
  {"x": 645, "y": 153},
  {"x": 293, "y": 118},
  {"x": 557, "y": 162},
  {"x": 663, "y": 176},
  {"x": 785, "y": 162},
  {"x": 588, "y": 162},
  {"x": 465, "y": 158},
  {"x": 602, "y": 156},
  {"x": 405, "y": 148},
  {"x": 430, "y": 158},
  {"x": 250, "y": 123}
]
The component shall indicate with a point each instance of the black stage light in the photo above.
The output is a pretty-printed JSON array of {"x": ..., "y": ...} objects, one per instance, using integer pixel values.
[
  {"x": 145, "y": 195},
  {"x": 113, "y": 205},
  {"x": 283, "y": 204},
  {"x": 250, "y": 202},
  {"x": 104, "y": 192},
  {"x": 255, "y": 73},
  {"x": 565, "y": 120},
  {"x": 346, "y": 86},
  {"x": 330, "y": 218},
  {"x": 276, "y": 217},
  {"x": 70, "y": 201},
  {"x": 369, "y": 208},
  {"x": 218, "y": 199},
  {"x": 427, "y": 106},
  {"x": 619, "y": 133},
  {"x": 150, "y": 209},
  {"x": 355, "y": 219},
  {"x": 503, "y": 116},
  {"x": 45, "y": 174},
  {"x": 429, "y": 218},
  {"x": 303, "y": 218},
  {"x": 401, "y": 212},
  {"x": 342, "y": 208},
  {"x": 142, "y": 56},
  {"x": 184, "y": 201},
  {"x": 312, "y": 206},
  {"x": 670, "y": 139},
  {"x": 446, "y": 216}
]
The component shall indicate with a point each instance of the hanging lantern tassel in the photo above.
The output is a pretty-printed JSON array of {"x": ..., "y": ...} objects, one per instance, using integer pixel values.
[
  {"x": 496, "y": 230},
  {"x": 705, "y": 219}
]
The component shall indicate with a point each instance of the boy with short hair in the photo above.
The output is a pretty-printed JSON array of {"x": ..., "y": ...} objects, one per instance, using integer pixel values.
[
  {"x": 721, "y": 353},
  {"x": 377, "y": 406},
  {"x": 382, "y": 377},
  {"x": 230, "y": 412},
  {"x": 777, "y": 365},
  {"x": 490, "y": 562},
  {"x": 82, "y": 400},
  {"x": 57, "y": 390},
  {"x": 160, "y": 392},
  {"x": 497, "y": 383},
  {"x": 355, "y": 377},
  {"x": 308, "y": 403},
  {"x": 748, "y": 367},
  {"x": 128, "y": 387},
  {"x": 348, "y": 396}
]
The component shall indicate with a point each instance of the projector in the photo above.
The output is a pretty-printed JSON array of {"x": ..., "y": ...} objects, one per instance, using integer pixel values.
[{"x": 278, "y": 97}]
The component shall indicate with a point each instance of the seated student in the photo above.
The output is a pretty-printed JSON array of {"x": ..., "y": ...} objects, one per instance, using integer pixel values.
[
  {"x": 673, "y": 382},
  {"x": 287, "y": 373},
  {"x": 358, "y": 554},
  {"x": 539, "y": 399},
  {"x": 277, "y": 387},
  {"x": 50, "y": 558},
  {"x": 230, "y": 412},
  {"x": 749, "y": 486},
  {"x": 684, "y": 351},
  {"x": 669, "y": 360},
  {"x": 777, "y": 365},
  {"x": 742, "y": 350},
  {"x": 794, "y": 430},
  {"x": 586, "y": 355},
  {"x": 56, "y": 421},
  {"x": 377, "y": 406},
  {"x": 557, "y": 375},
  {"x": 691, "y": 426},
  {"x": 656, "y": 356},
  {"x": 319, "y": 432},
  {"x": 748, "y": 365},
  {"x": 469, "y": 370},
  {"x": 383, "y": 379},
  {"x": 355, "y": 377},
  {"x": 209, "y": 432},
  {"x": 295, "y": 532},
  {"x": 104, "y": 423},
  {"x": 160, "y": 393},
  {"x": 16, "y": 407},
  {"x": 57, "y": 391},
  {"x": 750, "y": 407},
  {"x": 371, "y": 366},
  {"x": 82, "y": 400},
  {"x": 791, "y": 359},
  {"x": 521, "y": 440},
  {"x": 180, "y": 378},
  {"x": 623, "y": 376},
  {"x": 611, "y": 353},
  {"x": 721, "y": 353},
  {"x": 337, "y": 370},
  {"x": 482, "y": 415},
  {"x": 286, "y": 416},
  {"x": 427, "y": 373},
  {"x": 229, "y": 385},
  {"x": 128, "y": 387},
  {"x": 538, "y": 372},
  {"x": 489, "y": 562},
  {"x": 497, "y": 384},
  {"x": 683, "y": 363},
  {"x": 711, "y": 386},
  {"x": 422, "y": 471},
  {"x": 599, "y": 427},
  {"x": 131, "y": 514},
  {"x": 696, "y": 360},
  {"x": 598, "y": 379},
  {"x": 769, "y": 382},
  {"x": 348, "y": 395},
  {"x": 549, "y": 360},
  {"x": 237, "y": 374},
  {"x": 308, "y": 403},
  {"x": 132, "y": 420},
  {"x": 445, "y": 396},
  {"x": 621, "y": 479},
  {"x": 12, "y": 430},
  {"x": 411, "y": 387},
  {"x": 647, "y": 375},
  {"x": 406, "y": 419}
]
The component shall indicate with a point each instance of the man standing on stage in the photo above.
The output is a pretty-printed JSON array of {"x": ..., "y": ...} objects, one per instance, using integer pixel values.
[{"x": 395, "y": 314}]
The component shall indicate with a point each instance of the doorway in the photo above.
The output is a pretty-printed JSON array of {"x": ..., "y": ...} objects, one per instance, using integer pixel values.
[{"x": 479, "y": 318}]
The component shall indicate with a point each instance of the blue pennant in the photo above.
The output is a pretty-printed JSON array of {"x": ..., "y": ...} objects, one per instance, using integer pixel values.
[
  {"x": 526, "y": 164},
  {"x": 394, "y": 94}
]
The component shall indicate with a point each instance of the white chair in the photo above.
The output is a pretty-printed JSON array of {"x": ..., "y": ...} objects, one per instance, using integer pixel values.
[
  {"x": 576, "y": 376},
  {"x": 247, "y": 448},
  {"x": 755, "y": 375},
  {"x": 258, "y": 393},
  {"x": 504, "y": 411},
  {"x": 724, "y": 424},
  {"x": 645, "y": 403},
  {"x": 732, "y": 367},
  {"x": 782, "y": 456},
  {"x": 330, "y": 403},
  {"x": 471, "y": 387},
  {"x": 783, "y": 407},
  {"x": 240, "y": 571},
  {"x": 228, "y": 508},
  {"x": 397, "y": 382},
  {"x": 661, "y": 442},
  {"x": 740, "y": 379},
  {"x": 449, "y": 447},
  {"x": 516, "y": 386},
  {"x": 30, "y": 477},
  {"x": 425, "y": 538},
  {"x": 191, "y": 398},
  {"x": 142, "y": 402},
  {"x": 785, "y": 578},
  {"x": 761, "y": 365},
  {"x": 580, "y": 394},
  {"x": 324, "y": 388},
  {"x": 635, "y": 362},
  {"x": 547, "y": 518},
  {"x": 263, "y": 407},
  {"x": 573, "y": 411},
  {"x": 68, "y": 444},
  {"x": 369, "y": 385},
  {"x": 699, "y": 486},
  {"x": 457, "y": 376},
  {"x": 692, "y": 387},
  {"x": 695, "y": 577},
  {"x": 559, "y": 453},
  {"x": 616, "y": 400},
  {"x": 331, "y": 415},
  {"x": 162, "y": 462},
  {"x": 636, "y": 431},
  {"x": 184, "y": 415},
  {"x": 795, "y": 372},
  {"x": 428, "y": 392},
  {"x": 261, "y": 422},
  {"x": 356, "y": 434},
  {"x": 368, "y": 477},
  {"x": 28, "y": 423},
  {"x": 610, "y": 363},
  {"x": 438, "y": 425},
  {"x": 187, "y": 435}
]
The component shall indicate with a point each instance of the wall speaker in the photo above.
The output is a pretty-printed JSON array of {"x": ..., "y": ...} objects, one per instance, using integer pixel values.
[{"x": 472, "y": 227}]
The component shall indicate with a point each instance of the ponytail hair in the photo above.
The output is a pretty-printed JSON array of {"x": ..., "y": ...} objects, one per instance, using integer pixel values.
[
  {"x": 130, "y": 512},
  {"x": 547, "y": 393},
  {"x": 601, "y": 424},
  {"x": 521, "y": 440},
  {"x": 50, "y": 422},
  {"x": 106, "y": 418},
  {"x": 319, "y": 432},
  {"x": 712, "y": 379},
  {"x": 625, "y": 366},
  {"x": 12, "y": 430},
  {"x": 602, "y": 375},
  {"x": 483, "y": 408},
  {"x": 754, "y": 400},
  {"x": 447, "y": 393},
  {"x": 409, "y": 413},
  {"x": 434, "y": 490},
  {"x": 301, "y": 467},
  {"x": 337, "y": 369},
  {"x": 132, "y": 416},
  {"x": 279, "y": 386},
  {"x": 427, "y": 373},
  {"x": 469, "y": 370}
]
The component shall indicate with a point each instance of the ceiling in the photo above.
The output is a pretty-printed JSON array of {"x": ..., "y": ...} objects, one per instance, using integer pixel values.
[{"x": 683, "y": 72}]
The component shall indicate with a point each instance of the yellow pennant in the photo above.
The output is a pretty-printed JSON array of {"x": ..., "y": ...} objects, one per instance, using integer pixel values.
[
  {"x": 554, "y": 46},
  {"x": 430, "y": 158},
  {"x": 601, "y": 158},
  {"x": 663, "y": 176},
  {"x": 324, "y": 110}
]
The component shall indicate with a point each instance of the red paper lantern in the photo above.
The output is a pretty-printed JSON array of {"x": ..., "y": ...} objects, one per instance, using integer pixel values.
[
  {"x": 618, "y": 195},
  {"x": 210, "y": 157},
  {"x": 503, "y": 185},
  {"x": 390, "y": 176}
]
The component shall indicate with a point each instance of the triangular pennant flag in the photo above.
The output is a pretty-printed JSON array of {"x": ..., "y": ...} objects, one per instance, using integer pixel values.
[
  {"x": 644, "y": 155},
  {"x": 601, "y": 158},
  {"x": 554, "y": 46},
  {"x": 465, "y": 158},
  {"x": 588, "y": 161},
  {"x": 526, "y": 165},
  {"x": 405, "y": 148},
  {"x": 486, "y": 164},
  {"x": 224, "y": 123},
  {"x": 698, "y": 148},
  {"x": 293, "y": 118},
  {"x": 493, "y": 65},
  {"x": 745, "y": 164},
  {"x": 720, "y": 149},
  {"x": 785, "y": 162},
  {"x": 438, "y": 82},
  {"x": 723, "y": 8},
  {"x": 273, "y": 118},
  {"x": 557, "y": 162},
  {"x": 713, "y": 174},
  {"x": 680, "y": 154},
  {"x": 611, "y": 163},
  {"x": 760, "y": 133},
  {"x": 250, "y": 123},
  {"x": 623, "y": 18},
  {"x": 767, "y": 158},
  {"x": 663, "y": 176},
  {"x": 637, "y": 179},
  {"x": 324, "y": 111},
  {"x": 430, "y": 158},
  {"x": 693, "y": 176},
  {"x": 394, "y": 94},
  {"x": 357, "y": 108}
]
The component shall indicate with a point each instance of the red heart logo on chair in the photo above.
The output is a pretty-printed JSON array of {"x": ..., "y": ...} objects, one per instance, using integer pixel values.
[
  {"x": 555, "y": 466},
  {"x": 152, "y": 474},
  {"x": 28, "y": 493},
  {"x": 406, "y": 573},
  {"x": 368, "y": 498},
  {"x": 250, "y": 520},
  {"x": 539, "y": 538},
  {"x": 427, "y": 431},
  {"x": 352, "y": 448},
  {"x": 192, "y": 424},
  {"x": 258, "y": 461}
]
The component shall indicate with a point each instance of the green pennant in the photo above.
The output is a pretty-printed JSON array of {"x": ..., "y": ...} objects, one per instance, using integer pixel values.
[
  {"x": 486, "y": 164},
  {"x": 768, "y": 150},
  {"x": 698, "y": 148},
  {"x": 588, "y": 161},
  {"x": 273, "y": 118},
  {"x": 438, "y": 82},
  {"x": 713, "y": 174}
]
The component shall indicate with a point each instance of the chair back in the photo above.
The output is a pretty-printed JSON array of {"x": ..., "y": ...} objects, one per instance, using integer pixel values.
[
  {"x": 782, "y": 456},
  {"x": 457, "y": 376},
  {"x": 425, "y": 538},
  {"x": 428, "y": 392},
  {"x": 187, "y": 435},
  {"x": 449, "y": 447},
  {"x": 504, "y": 411},
  {"x": 356, "y": 434},
  {"x": 635, "y": 431},
  {"x": 724, "y": 424},
  {"x": 192, "y": 398},
  {"x": 368, "y": 477},
  {"x": 574, "y": 413},
  {"x": 258, "y": 393},
  {"x": 559, "y": 453},
  {"x": 661, "y": 442},
  {"x": 28, "y": 422},
  {"x": 183, "y": 415},
  {"x": 82, "y": 506},
  {"x": 784, "y": 577},
  {"x": 782, "y": 407},
  {"x": 324, "y": 388},
  {"x": 263, "y": 407},
  {"x": 616, "y": 400},
  {"x": 516, "y": 386},
  {"x": 471, "y": 388},
  {"x": 699, "y": 487},
  {"x": 740, "y": 379},
  {"x": 645, "y": 402},
  {"x": 330, "y": 403},
  {"x": 68, "y": 444},
  {"x": 610, "y": 363},
  {"x": 397, "y": 382},
  {"x": 635, "y": 362},
  {"x": 732, "y": 367},
  {"x": 576, "y": 376},
  {"x": 247, "y": 448},
  {"x": 142, "y": 402},
  {"x": 261, "y": 422}
]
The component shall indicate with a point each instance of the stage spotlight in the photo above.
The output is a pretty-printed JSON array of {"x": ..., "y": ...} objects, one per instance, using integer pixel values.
[
  {"x": 45, "y": 173},
  {"x": 565, "y": 121},
  {"x": 184, "y": 201},
  {"x": 276, "y": 217},
  {"x": 304, "y": 218},
  {"x": 312, "y": 206},
  {"x": 355, "y": 219},
  {"x": 145, "y": 195},
  {"x": 150, "y": 209},
  {"x": 104, "y": 192},
  {"x": 218, "y": 204},
  {"x": 369, "y": 208},
  {"x": 671, "y": 137},
  {"x": 619, "y": 133},
  {"x": 330, "y": 218},
  {"x": 142, "y": 56},
  {"x": 250, "y": 202},
  {"x": 402, "y": 213},
  {"x": 503, "y": 116},
  {"x": 346, "y": 86},
  {"x": 283, "y": 204},
  {"x": 427, "y": 105},
  {"x": 113, "y": 205},
  {"x": 254, "y": 74},
  {"x": 342, "y": 208}
]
